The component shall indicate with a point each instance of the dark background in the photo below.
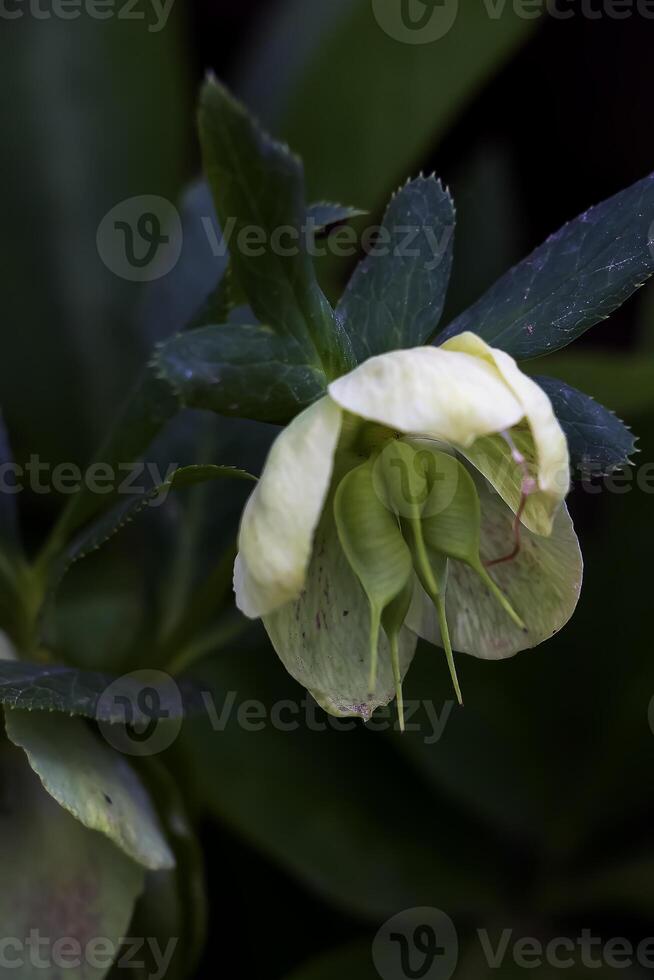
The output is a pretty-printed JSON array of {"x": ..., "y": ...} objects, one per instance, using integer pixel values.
[{"x": 534, "y": 812}]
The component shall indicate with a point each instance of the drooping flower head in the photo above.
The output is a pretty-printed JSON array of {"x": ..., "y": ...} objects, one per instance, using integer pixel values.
[{"x": 423, "y": 496}]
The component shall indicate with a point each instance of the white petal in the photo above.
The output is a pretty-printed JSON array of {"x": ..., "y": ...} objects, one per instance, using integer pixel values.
[
  {"x": 282, "y": 514},
  {"x": 429, "y": 391},
  {"x": 550, "y": 448},
  {"x": 543, "y": 585}
]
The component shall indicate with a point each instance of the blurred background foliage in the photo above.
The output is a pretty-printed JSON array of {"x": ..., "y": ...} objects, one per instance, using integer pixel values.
[{"x": 534, "y": 810}]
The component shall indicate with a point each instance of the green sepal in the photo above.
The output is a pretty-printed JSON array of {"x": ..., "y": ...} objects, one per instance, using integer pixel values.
[
  {"x": 370, "y": 536},
  {"x": 393, "y": 618}
]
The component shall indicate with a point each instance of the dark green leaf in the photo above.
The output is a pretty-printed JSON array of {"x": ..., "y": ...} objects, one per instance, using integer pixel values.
[
  {"x": 246, "y": 371},
  {"x": 100, "y": 697},
  {"x": 578, "y": 277},
  {"x": 258, "y": 190},
  {"x": 230, "y": 296},
  {"x": 599, "y": 442},
  {"x": 396, "y": 296}
]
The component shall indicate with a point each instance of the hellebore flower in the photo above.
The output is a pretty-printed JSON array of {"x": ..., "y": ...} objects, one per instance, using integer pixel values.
[{"x": 422, "y": 496}]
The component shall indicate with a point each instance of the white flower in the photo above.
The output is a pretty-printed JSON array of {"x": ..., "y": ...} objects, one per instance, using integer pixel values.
[{"x": 328, "y": 550}]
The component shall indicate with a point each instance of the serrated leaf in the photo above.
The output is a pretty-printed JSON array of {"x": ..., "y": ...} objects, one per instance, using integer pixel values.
[
  {"x": 92, "y": 782},
  {"x": 229, "y": 294},
  {"x": 114, "y": 520},
  {"x": 247, "y": 371},
  {"x": 396, "y": 295},
  {"x": 258, "y": 184},
  {"x": 578, "y": 277},
  {"x": 60, "y": 881},
  {"x": 90, "y": 694},
  {"x": 598, "y": 441}
]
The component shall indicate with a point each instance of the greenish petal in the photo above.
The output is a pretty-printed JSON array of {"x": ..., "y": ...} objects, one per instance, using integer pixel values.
[
  {"x": 323, "y": 638},
  {"x": 542, "y": 583}
]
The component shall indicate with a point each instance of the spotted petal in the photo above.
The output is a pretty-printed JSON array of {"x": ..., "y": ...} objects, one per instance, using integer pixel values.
[
  {"x": 542, "y": 584},
  {"x": 281, "y": 516},
  {"x": 323, "y": 638},
  {"x": 541, "y": 441},
  {"x": 448, "y": 395}
]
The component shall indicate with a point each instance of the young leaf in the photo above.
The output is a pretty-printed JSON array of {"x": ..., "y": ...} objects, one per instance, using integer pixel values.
[
  {"x": 578, "y": 277},
  {"x": 249, "y": 371},
  {"x": 598, "y": 441},
  {"x": 258, "y": 190},
  {"x": 396, "y": 295},
  {"x": 93, "y": 782}
]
